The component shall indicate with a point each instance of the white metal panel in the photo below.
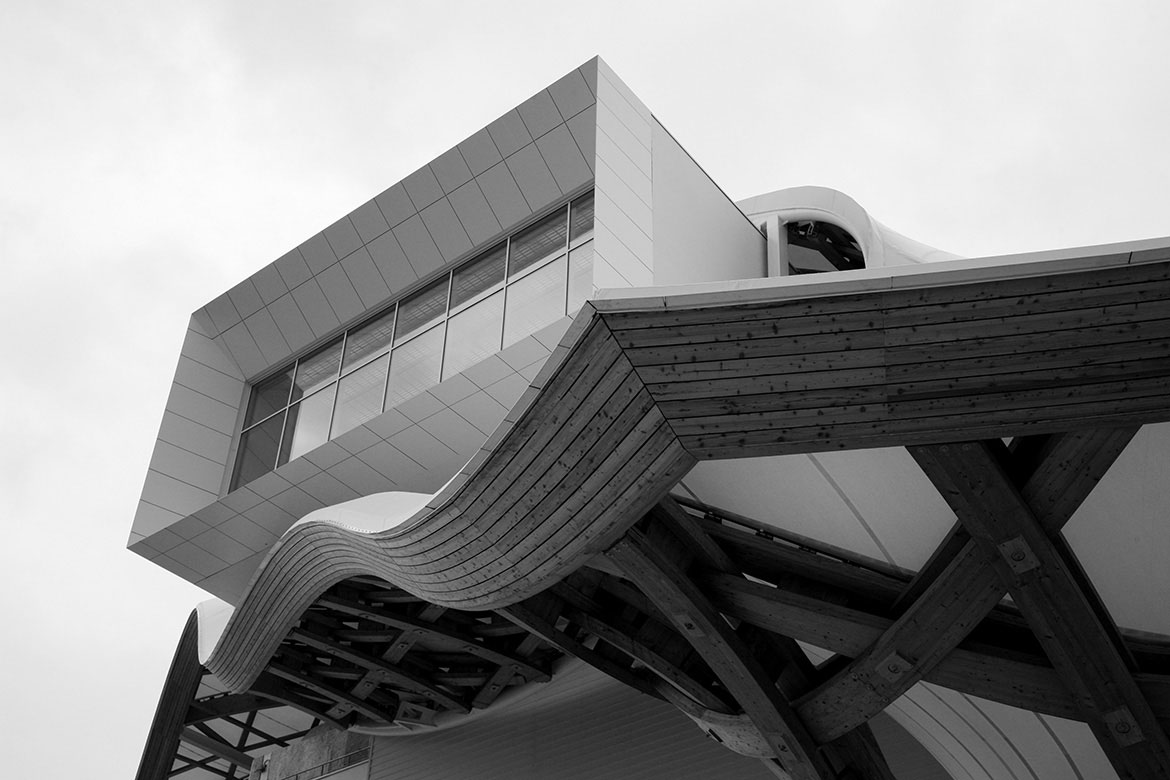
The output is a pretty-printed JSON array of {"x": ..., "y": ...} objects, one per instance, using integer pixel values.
[
  {"x": 342, "y": 237},
  {"x": 509, "y": 133},
  {"x": 539, "y": 114},
  {"x": 451, "y": 170},
  {"x": 564, "y": 159},
  {"x": 395, "y": 205},
  {"x": 446, "y": 230},
  {"x": 366, "y": 279},
  {"x": 317, "y": 253},
  {"x": 369, "y": 222},
  {"x": 533, "y": 177},
  {"x": 293, "y": 269},
  {"x": 474, "y": 212},
  {"x": 479, "y": 151},
  {"x": 315, "y": 308},
  {"x": 503, "y": 195},
  {"x": 422, "y": 187}
]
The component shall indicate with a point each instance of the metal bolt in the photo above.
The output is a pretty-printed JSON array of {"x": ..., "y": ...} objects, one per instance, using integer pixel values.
[
  {"x": 1122, "y": 728},
  {"x": 1019, "y": 555},
  {"x": 893, "y": 668}
]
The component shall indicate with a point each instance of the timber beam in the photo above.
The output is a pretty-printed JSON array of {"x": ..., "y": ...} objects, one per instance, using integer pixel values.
[
  {"x": 216, "y": 747},
  {"x": 1058, "y": 472},
  {"x": 1082, "y": 649},
  {"x": 856, "y": 752},
  {"x": 693, "y": 615}
]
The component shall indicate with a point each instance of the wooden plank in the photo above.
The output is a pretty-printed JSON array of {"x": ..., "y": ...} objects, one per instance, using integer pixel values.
[
  {"x": 694, "y": 616},
  {"x": 902, "y": 365},
  {"x": 622, "y": 639},
  {"x": 386, "y": 673},
  {"x": 508, "y": 510},
  {"x": 777, "y": 562},
  {"x": 1130, "y": 405},
  {"x": 1126, "y": 287},
  {"x": 1056, "y": 608},
  {"x": 849, "y": 632},
  {"x": 856, "y": 751},
  {"x": 1056, "y": 326},
  {"x": 917, "y": 641},
  {"x": 627, "y": 325},
  {"x": 757, "y": 340},
  {"x": 684, "y": 409},
  {"x": 422, "y": 628},
  {"x": 748, "y": 359},
  {"x": 367, "y": 708},
  {"x": 534, "y": 616},
  {"x": 611, "y": 500},
  {"x": 230, "y": 704},
  {"x": 504, "y": 676},
  {"x": 771, "y": 383},
  {"x": 179, "y": 689},
  {"x": 928, "y": 301},
  {"x": 217, "y": 748}
]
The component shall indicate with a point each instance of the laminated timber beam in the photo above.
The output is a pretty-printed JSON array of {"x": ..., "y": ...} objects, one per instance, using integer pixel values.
[
  {"x": 419, "y": 628},
  {"x": 1055, "y": 604},
  {"x": 693, "y": 615},
  {"x": 831, "y": 606},
  {"x": 855, "y": 752},
  {"x": 217, "y": 748},
  {"x": 963, "y": 587},
  {"x": 382, "y": 671},
  {"x": 369, "y": 709}
]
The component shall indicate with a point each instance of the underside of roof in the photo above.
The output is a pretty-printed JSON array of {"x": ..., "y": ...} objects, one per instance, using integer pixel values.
[{"x": 1006, "y": 393}]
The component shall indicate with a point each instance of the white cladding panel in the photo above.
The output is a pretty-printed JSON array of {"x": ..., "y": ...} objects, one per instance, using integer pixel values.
[{"x": 699, "y": 234}]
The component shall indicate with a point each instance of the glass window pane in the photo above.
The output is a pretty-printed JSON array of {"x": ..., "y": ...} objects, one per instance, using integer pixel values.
[
  {"x": 473, "y": 334},
  {"x": 359, "y": 396},
  {"x": 258, "y": 448},
  {"x": 269, "y": 396},
  {"x": 581, "y": 217},
  {"x": 422, "y": 309},
  {"x": 414, "y": 366},
  {"x": 539, "y": 242},
  {"x": 580, "y": 276},
  {"x": 478, "y": 276},
  {"x": 317, "y": 370},
  {"x": 369, "y": 339},
  {"x": 535, "y": 301},
  {"x": 307, "y": 426}
]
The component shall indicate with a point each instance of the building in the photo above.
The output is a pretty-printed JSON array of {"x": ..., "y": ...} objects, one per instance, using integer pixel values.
[{"x": 552, "y": 461}]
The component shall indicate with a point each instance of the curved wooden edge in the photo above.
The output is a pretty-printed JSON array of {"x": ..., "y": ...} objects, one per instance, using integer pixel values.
[
  {"x": 589, "y": 449},
  {"x": 589, "y": 454},
  {"x": 178, "y": 691}
]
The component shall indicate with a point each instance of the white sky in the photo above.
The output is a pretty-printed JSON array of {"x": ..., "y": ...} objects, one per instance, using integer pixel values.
[{"x": 154, "y": 154}]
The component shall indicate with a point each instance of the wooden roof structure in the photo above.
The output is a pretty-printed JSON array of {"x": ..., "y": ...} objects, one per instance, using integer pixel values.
[{"x": 562, "y": 538}]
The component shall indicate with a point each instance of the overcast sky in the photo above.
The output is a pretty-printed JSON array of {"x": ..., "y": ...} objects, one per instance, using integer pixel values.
[{"x": 154, "y": 154}]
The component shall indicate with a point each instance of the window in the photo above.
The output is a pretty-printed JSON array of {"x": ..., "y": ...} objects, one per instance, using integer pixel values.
[
  {"x": 527, "y": 281},
  {"x": 814, "y": 247}
]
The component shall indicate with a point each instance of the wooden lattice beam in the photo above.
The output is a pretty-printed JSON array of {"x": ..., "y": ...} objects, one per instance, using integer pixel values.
[
  {"x": 1058, "y": 472},
  {"x": 1082, "y": 649},
  {"x": 693, "y": 615}
]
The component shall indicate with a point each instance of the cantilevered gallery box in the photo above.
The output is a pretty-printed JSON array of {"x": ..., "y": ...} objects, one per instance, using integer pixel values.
[{"x": 550, "y": 460}]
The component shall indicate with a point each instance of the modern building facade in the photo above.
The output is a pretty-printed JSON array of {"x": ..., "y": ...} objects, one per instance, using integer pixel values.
[{"x": 553, "y": 461}]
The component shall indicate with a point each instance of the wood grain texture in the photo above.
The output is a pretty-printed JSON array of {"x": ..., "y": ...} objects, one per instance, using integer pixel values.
[{"x": 1057, "y": 608}]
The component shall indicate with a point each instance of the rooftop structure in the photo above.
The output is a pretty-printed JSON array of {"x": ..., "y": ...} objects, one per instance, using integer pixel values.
[{"x": 551, "y": 460}]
